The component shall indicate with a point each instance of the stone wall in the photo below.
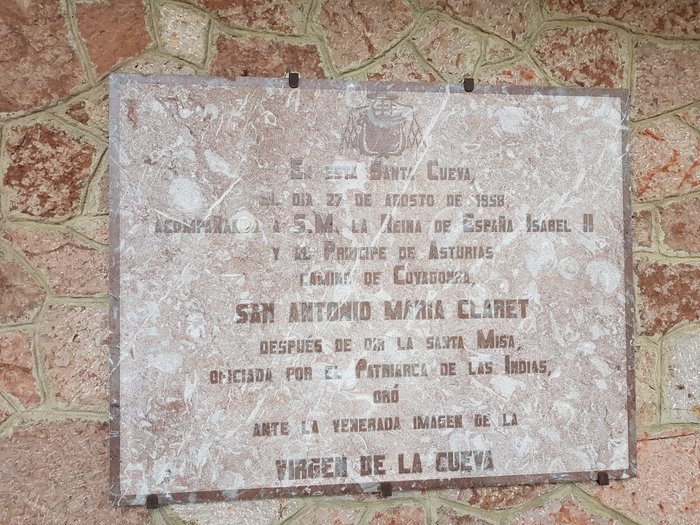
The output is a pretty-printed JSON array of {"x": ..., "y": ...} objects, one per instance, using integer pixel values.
[{"x": 55, "y": 57}]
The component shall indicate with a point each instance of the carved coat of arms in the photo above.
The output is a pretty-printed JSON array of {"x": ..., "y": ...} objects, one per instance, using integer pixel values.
[{"x": 383, "y": 128}]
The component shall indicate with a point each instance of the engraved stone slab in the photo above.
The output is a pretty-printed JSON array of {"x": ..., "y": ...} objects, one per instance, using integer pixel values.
[{"x": 330, "y": 288}]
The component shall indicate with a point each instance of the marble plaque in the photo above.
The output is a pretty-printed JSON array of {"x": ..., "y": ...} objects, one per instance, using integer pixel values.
[{"x": 360, "y": 287}]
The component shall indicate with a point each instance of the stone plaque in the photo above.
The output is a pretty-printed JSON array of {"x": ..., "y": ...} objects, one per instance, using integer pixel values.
[{"x": 358, "y": 287}]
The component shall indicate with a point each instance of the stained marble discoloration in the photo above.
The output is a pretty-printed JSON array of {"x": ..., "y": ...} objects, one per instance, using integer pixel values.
[{"x": 185, "y": 152}]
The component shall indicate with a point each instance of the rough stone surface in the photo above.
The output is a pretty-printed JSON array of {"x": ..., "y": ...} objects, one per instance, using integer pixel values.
[
  {"x": 557, "y": 512},
  {"x": 401, "y": 66},
  {"x": 95, "y": 228},
  {"x": 20, "y": 294},
  {"x": 357, "y": 30},
  {"x": 149, "y": 64},
  {"x": 75, "y": 343},
  {"x": 665, "y": 160},
  {"x": 646, "y": 362},
  {"x": 511, "y": 20},
  {"x": 680, "y": 223},
  {"x": 281, "y": 16},
  {"x": 692, "y": 117},
  {"x": 642, "y": 229},
  {"x": 16, "y": 368},
  {"x": 329, "y": 516},
  {"x": 183, "y": 32},
  {"x": 669, "y": 295},
  {"x": 497, "y": 498},
  {"x": 450, "y": 49},
  {"x": 497, "y": 50},
  {"x": 90, "y": 109},
  {"x": 666, "y": 78},
  {"x": 113, "y": 31},
  {"x": 583, "y": 57},
  {"x": 444, "y": 515},
  {"x": 260, "y": 511},
  {"x": 521, "y": 72},
  {"x": 71, "y": 267},
  {"x": 48, "y": 171},
  {"x": 37, "y": 61},
  {"x": 672, "y": 457},
  {"x": 671, "y": 17},
  {"x": 56, "y": 473},
  {"x": 260, "y": 57},
  {"x": 403, "y": 514},
  {"x": 681, "y": 379}
]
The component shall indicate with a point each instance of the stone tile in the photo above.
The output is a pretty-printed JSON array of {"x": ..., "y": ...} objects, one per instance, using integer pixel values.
[
  {"x": 665, "y": 160},
  {"x": 149, "y": 64},
  {"x": 113, "y": 31},
  {"x": 20, "y": 294},
  {"x": 671, "y": 17},
  {"x": 330, "y": 516},
  {"x": 90, "y": 109},
  {"x": 56, "y": 473},
  {"x": 692, "y": 117},
  {"x": 511, "y": 20},
  {"x": 445, "y": 515},
  {"x": 403, "y": 514},
  {"x": 95, "y": 228},
  {"x": 75, "y": 342},
  {"x": 497, "y": 51},
  {"x": 37, "y": 61},
  {"x": 680, "y": 223},
  {"x": 280, "y": 16},
  {"x": 261, "y": 57},
  {"x": 681, "y": 377},
  {"x": 401, "y": 66},
  {"x": 265, "y": 511},
  {"x": 48, "y": 171},
  {"x": 583, "y": 56},
  {"x": 667, "y": 489},
  {"x": 496, "y": 498},
  {"x": 183, "y": 32},
  {"x": 566, "y": 510},
  {"x": 646, "y": 384},
  {"x": 71, "y": 267},
  {"x": 665, "y": 78},
  {"x": 522, "y": 72},
  {"x": 642, "y": 229},
  {"x": 669, "y": 294},
  {"x": 16, "y": 364},
  {"x": 357, "y": 30},
  {"x": 450, "y": 49}
]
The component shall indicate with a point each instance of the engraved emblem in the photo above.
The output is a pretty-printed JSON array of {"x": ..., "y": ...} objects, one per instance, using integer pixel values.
[{"x": 383, "y": 128}]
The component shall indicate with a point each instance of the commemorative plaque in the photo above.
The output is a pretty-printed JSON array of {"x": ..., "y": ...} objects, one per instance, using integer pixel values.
[{"x": 348, "y": 287}]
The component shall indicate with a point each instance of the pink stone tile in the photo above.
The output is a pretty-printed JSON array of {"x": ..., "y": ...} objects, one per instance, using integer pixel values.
[
  {"x": 48, "y": 170},
  {"x": 16, "y": 365},
  {"x": 667, "y": 489},
  {"x": 680, "y": 224},
  {"x": 74, "y": 339},
  {"x": 70, "y": 266},
  {"x": 56, "y": 473},
  {"x": 357, "y": 30},
  {"x": 669, "y": 295},
  {"x": 21, "y": 294},
  {"x": 37, "y": 61},
  {"x": 583, "y": 56}
]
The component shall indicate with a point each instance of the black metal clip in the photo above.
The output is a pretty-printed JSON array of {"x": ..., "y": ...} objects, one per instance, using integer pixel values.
[
  {"x": 385, "y": 490},
  {"x": 603, "y": 478},
  {"x": 293, "y": 79},
  {"x": 468, "y": 85},
  {"x": 152, "y": 501}
]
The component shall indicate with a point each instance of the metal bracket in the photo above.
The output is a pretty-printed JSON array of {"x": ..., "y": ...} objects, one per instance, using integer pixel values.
[
  {"x": 603, "y": 478},
  {"x": 468, "y": 85},
  {"x": 385, "y": 490},
  {"x": 293, "y": 79},
  {"x": 152, "y": 501}
]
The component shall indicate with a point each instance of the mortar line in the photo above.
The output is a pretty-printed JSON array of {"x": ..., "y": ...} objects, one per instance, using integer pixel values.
[{"x": 77, "y": 41}]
